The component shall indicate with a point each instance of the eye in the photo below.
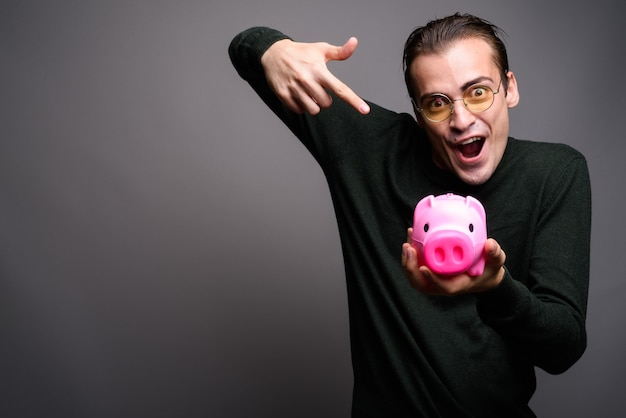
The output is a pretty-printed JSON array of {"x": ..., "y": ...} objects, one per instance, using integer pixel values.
[
  {"x": 478, "y": 93},
  {"x": 471, "y": 227},
  {"x": 426, "y": 227},
  {"x": 435, "y": 102}
]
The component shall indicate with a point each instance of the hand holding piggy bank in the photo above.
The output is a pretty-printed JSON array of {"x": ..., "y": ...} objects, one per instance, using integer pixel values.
[{"x": 449, "y": 234}]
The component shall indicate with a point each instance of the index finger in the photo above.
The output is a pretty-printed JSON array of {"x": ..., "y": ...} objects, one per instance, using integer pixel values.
[{"x": 346, "y": 94}]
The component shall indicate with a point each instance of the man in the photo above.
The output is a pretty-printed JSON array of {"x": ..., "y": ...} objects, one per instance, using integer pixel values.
[{"x": 434, "y": 346}]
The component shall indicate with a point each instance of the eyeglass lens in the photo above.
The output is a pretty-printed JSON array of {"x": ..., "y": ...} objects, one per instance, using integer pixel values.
[{"x": 438, "y": 107}]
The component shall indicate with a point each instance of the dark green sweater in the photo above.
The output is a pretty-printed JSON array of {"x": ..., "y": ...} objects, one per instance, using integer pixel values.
[{"x": 424, "y": 356}]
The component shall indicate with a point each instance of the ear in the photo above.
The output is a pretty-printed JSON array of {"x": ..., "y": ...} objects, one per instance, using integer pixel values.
[
  {"x": 420, "y": 119},
  {"x": 426, "y": 202},
  {"x": 472, "y": 202},
  {"x": 512, "y": 93},
  {"x": 418, "y": 115}
]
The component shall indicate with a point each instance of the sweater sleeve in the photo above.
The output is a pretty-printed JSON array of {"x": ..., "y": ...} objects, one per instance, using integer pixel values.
[
  {"x": 545, "y": 318},
  {"x": 247, "y": 48},
  {"x": 245, "y": 51},
  {"x": 334, "y": 131}
]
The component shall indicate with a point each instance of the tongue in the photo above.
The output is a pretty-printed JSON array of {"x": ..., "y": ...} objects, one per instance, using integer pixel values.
[{"x": 471, "y": 150}]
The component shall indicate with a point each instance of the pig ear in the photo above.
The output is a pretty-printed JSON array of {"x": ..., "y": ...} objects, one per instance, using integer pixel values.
[
  {"x": 427, "y": 202},
  {"x": 474, "y": 203}
]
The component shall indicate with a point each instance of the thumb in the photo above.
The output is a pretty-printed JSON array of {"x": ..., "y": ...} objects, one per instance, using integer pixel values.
[
  {"x": 343, "y": 52},
  {"x": 494, "y": 252}
]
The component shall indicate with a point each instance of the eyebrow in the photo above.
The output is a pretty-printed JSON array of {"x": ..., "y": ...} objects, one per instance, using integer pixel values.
[{"x": 464, "y": 87}]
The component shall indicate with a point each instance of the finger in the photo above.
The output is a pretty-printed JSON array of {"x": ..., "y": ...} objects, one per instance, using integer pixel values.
[
  {"x": 346, "y": 94},
  {"x": 426, "y": 283},
  {"x": 494, "y": 252},
  {"x": 348, "y": 48},
  {"x": 343, "y": 52},
  {"x": 418, "y": 279},
  {"x": 409, "y": 235},
  {"x": 293, "y": 105},
  {"x": 317, "y": 94},
  {"x": 289, "y": 96},
  {"x": 307, "y": 103},
  {"x": 406, "y": 248},
  {"x": 410, "y": 264},
  {"x": 306, "y": 98},
  {"x": 494, "y": 264}
]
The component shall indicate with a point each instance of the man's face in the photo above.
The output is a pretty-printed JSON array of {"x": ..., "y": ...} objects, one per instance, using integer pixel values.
[{"x": 469, "y": 144}]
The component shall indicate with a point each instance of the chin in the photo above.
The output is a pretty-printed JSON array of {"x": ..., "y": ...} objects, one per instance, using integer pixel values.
[{"x": 474, "y": 178}]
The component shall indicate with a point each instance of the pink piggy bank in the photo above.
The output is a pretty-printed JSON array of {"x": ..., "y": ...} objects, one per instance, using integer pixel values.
[{"x": 449, "y": 233}]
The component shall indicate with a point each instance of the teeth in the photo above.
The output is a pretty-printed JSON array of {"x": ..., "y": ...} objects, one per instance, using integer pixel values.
[{"x": 469, "y": 141}]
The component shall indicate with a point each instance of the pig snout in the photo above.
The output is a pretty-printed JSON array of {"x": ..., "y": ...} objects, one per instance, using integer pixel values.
[{"x": 449, "y": 252}]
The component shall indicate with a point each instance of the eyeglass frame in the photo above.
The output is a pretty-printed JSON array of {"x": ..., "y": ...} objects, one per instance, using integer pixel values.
[{"x": 451, "y": 104}]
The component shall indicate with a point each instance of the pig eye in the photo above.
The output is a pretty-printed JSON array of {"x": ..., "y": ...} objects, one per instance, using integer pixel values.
[
  {"x": 471, "y": 227},
  {"x": 426, "y": 227}
]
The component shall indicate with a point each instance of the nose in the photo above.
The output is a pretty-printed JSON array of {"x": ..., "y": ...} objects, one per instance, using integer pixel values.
[
  {"x": 448, "y": 252},
  {"x": 461, "y": 118}
]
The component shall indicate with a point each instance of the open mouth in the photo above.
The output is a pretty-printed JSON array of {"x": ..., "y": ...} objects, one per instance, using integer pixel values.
[{"x": 472, "y": 147}]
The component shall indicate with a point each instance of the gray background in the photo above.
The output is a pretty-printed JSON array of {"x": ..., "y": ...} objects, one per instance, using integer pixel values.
[{"x": 168, "y": 249}]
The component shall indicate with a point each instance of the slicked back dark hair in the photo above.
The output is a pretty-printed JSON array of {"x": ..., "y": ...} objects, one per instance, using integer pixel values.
[{"x": 438, "y": 34}]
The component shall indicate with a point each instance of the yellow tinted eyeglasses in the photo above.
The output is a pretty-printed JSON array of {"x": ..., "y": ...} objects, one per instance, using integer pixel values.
[{"x": 439, "y": 107}]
